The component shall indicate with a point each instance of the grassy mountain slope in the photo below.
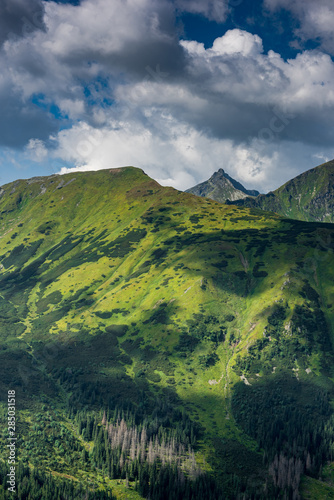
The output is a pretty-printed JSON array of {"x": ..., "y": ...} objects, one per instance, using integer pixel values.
[
  {"x": 119, "y": 293},
  {"x": 308, "y": 197},
  {"x": 221, "y": 187}
]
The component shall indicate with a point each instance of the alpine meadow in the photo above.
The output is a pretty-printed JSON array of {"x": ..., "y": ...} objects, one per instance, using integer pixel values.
[{"x": 163, "y": 345}]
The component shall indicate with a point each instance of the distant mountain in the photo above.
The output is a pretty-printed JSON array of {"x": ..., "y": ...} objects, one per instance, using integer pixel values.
[
  {"x": 221, "y": 187},
  {"x": 308, "y": 197}
]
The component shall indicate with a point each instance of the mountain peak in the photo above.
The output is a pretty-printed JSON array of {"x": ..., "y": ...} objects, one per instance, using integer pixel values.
[{"x": 221, "y": 187}]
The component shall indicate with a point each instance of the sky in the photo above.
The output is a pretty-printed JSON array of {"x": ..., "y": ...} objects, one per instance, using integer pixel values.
[{"x": 179, "y": 88}]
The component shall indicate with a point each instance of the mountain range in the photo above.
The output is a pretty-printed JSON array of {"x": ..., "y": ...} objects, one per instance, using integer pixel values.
[
  {"x": 162, "y": 344},
  {"x": 307, "y": 197}
]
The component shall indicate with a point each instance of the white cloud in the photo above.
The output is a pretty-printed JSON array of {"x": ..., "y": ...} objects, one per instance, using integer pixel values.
[
  {"x": 176, "y": 157},
  {"x": 74, "y": 108},
  {"x": 238, "y": 42},
  {"x": 316, "y": 19},
  {"x": 230, "y": 109},
  {"x": 96, "y": 40},
  {"x": 136, "y": 95},
  {"x": 103, "y": 27},
  {"x": 36, "y": 150},
  {"x": 186, "y": 157},
  {"x": 236, "y": 65}
]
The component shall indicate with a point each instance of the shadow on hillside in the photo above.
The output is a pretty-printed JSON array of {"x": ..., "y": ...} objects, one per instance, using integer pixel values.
[
  {"x": 238, "y": 261},
  {"x": 286, "y": 417}
]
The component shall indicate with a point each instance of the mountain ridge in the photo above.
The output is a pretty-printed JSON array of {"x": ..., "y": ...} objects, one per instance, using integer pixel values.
[
  {"x": 308, "y": 197},
  {"x": 168, "y": 311}
]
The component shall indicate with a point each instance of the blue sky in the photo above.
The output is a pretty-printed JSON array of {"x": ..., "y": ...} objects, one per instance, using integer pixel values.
[{"x": 179, "y": 88}]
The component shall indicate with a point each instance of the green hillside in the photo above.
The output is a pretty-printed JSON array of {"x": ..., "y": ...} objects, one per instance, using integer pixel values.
[
  {"x": 203, "y": 331},
  {"x": 308, "y": 197}
]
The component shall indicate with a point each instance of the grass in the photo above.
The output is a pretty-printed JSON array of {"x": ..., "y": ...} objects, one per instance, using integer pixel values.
[
  {"x": 108, "y": 291},
  {"x": 312, "y": 488},
  {"x": 122, "y": 492},
  {"x": 307, "y": 197}
]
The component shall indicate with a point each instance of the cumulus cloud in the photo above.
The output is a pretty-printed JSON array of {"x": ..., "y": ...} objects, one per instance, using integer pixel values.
[
  {"x": 125, "y": 90},
  {"x": 316, "y": 19},
  {"x": 174, "y": 156},
  {"x": 117, "y": 35},
  {"x": 237, "y": 42},
  {"x": 230, "y": 100},
  {"x": 247, "y": 90},
  {"x": 76, "y": 60},
  {"x": 183, "y": 157}
]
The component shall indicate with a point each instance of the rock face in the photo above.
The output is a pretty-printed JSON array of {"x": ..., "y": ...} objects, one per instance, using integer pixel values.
[
  {"x": 221, "y": 187},
  {"x": 308, "y": 197}
]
